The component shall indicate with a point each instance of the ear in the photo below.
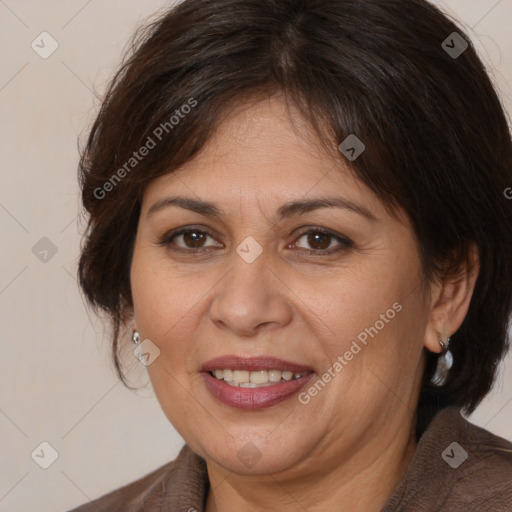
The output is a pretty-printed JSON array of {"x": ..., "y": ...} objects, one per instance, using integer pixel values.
[{"x": 450, "y": 301}]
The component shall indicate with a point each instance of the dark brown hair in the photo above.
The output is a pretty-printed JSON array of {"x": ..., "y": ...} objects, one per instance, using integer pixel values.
[{"x": 436, "y": 135}]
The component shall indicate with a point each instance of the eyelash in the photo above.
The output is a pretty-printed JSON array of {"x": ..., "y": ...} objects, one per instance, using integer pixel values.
[{"x": 345, "y": 243}]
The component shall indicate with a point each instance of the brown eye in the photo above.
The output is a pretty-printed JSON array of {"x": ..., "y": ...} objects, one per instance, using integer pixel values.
[
  {"x": 319, "y": 241},
  {"x": 189, "y": 238},
  {"x": 194, "y": 239}
]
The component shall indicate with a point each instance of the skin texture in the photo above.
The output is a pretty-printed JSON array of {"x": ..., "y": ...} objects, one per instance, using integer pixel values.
[{"x": 350, "y": 445}]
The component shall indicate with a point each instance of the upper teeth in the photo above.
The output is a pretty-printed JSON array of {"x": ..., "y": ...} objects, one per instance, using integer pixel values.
[{"x": 247, "y": 379}]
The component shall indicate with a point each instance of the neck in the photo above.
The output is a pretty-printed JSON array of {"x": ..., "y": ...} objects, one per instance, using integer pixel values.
[{"x": 353, "y": 485}]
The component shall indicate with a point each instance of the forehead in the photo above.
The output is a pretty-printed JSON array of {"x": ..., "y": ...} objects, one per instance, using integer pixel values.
[{"x": 264, "y": 149}]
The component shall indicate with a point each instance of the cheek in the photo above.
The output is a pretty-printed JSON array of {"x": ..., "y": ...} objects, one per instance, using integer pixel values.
[
  {"x": 166, "y": 309},
  {"x": 155, "y": 292},
  {"x": 164, "y": 314},
  {"x": 154, "y": 297},
  {"x": 375, "y": 321},
  {"x": 358, "y": 306}
]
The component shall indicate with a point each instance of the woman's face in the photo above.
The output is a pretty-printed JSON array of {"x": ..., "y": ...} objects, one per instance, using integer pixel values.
[{"x": 244, "y": 285}]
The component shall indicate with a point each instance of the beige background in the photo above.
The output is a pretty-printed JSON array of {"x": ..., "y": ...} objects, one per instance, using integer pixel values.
[{"x": 57, "y": 382}]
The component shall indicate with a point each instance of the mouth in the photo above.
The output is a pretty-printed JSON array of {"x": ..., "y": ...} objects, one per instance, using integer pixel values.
[
  {"x": 254, "y": 383},
  {"x": 255, "y": 379}
]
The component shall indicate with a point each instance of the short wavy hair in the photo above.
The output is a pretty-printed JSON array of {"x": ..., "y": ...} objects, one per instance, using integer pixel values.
[{"x": 438, "y": 144}]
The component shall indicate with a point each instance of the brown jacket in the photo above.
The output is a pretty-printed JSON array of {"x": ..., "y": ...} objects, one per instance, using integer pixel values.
[{"x": 474, "y": 475}]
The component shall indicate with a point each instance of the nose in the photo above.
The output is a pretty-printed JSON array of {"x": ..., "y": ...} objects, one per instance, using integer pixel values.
[{"x": 251, "y": 297}]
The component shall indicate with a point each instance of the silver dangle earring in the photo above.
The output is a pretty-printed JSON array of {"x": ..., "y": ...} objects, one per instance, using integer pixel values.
[
  {"x": 136, "y": 337},
  {"x": 444, "y": 363},
  {"x": 444, "y": 344}
]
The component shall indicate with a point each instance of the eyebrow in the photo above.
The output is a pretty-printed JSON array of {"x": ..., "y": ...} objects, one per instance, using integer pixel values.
[{"x": 289, "y": 209}]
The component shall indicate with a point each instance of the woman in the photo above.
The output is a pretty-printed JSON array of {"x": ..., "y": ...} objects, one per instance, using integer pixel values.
[{"x": 297, "y": 215}]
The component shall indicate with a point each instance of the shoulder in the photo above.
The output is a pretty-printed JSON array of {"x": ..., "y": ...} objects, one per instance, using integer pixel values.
[
  {"x": 131, "y": 496},
  {"x": 183, "y": 478},
  {"x": 484, "y": 477},
  {"x": 457, "y": 466}
]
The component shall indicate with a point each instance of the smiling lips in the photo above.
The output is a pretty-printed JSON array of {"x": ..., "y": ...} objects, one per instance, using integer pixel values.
[
  {"x": 254, "y": 379},
  {"x": 253, "y": 383}
]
